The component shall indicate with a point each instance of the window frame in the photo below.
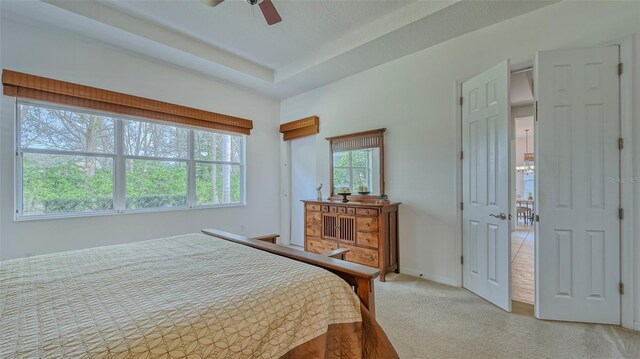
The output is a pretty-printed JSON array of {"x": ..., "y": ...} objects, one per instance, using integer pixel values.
[{"x": 119, "y": 158}]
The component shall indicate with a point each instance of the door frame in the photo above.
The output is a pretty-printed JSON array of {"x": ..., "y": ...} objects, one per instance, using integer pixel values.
[{"x": 627, "y": 245}]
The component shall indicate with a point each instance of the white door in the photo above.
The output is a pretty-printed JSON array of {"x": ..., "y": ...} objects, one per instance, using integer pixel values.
[
  {"x": 303, "y": 183},
  {"x": 577, "y": 163},
  {"x": 486, "y": 111}
]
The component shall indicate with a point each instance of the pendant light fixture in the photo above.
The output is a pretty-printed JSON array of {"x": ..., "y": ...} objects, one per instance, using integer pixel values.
[{"x": 529, "y": 157}]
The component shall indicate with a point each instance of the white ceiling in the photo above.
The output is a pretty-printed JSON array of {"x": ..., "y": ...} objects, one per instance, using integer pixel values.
[
  {"x": 317, "y": 42},
  {"x": 240, "y": 28}
]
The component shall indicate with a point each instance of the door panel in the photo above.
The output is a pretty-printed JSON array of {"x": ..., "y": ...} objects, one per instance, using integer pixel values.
[
  {"x": 578, "y": 238},
  {"x": 330, "y": 226},
  {"x": 347, "y": 228},
  {"x": 486, "y": 177}
]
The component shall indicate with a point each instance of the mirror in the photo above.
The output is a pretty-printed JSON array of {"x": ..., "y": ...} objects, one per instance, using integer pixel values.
[
  {"x": 357, "y": 170},
  {"x": 357, "y": 164}
]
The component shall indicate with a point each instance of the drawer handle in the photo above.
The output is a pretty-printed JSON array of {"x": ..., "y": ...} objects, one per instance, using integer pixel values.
[
  {"x": 366, "y": 224},
  {"x": 370, "y": 258},
  {"x": 367, "y": 239},
  {"x": 366, "y": 212}
]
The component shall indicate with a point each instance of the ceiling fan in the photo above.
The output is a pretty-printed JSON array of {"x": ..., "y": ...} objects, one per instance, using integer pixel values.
[{"x": 268, "y": 9}]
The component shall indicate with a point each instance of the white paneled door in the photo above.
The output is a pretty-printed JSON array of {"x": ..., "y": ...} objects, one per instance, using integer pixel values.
[
  {"x": 303, "y": 183},
  {"x": 578, "y": 194},
  {"x": 485, "y": 143}
]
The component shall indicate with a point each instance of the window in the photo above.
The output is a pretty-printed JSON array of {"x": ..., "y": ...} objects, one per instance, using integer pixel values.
[
  {"x": 74, "y": 162},
  {"x": 352, "y": 169},
  {"x": 528, "y": 185}
]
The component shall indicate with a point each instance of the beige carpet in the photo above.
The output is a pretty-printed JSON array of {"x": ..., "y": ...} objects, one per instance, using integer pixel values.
[{"x": 428, "y": 320}]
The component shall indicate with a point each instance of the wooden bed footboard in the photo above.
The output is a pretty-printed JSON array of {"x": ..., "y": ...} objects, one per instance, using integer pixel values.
[{"x": 360, "y": 277}]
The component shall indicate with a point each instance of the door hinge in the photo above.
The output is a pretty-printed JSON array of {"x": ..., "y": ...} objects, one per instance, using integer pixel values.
[
  {"x": 621, "y": 213},
  {"x": 461, "y": 259},
  {"x": 620, "y": 143},
  {"x": 620, "y": 69},
  {"x": 621, "y": 288},
  {"x": 461, "y": 100},
  {"x": 461, "y": 155},
  {"x": 462, "y": 206},
  {"x": 537, "y": 218},
  {"x": 536, "y": 114}
]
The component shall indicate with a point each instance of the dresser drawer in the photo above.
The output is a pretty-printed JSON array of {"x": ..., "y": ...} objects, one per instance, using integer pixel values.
[
  {"x": 316, "y": 245},
  {"x": 314, "y": 218},
  {"x": 367, "y": 239},
  {"x": 366, "y": 224},
  {"x": 312, "y": 207},
  {"x": 342, "y": 210},
  {"x": 368, "y": 257},
  {"x": 314, "y": 231},
  {"x": 351, "y": 210},
  {"x": 333, "y": 209},
  {"x": 325, "y": 208},
  {"x": 367, "y": 212}
]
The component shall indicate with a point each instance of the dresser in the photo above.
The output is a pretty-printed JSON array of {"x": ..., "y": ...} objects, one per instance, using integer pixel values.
[{"x": 368, "y": 230}]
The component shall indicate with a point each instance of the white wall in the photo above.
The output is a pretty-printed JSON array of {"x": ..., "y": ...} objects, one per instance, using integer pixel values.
[
  {"x": 62, "y": 55},
  {"x": 414, "y": 98}
]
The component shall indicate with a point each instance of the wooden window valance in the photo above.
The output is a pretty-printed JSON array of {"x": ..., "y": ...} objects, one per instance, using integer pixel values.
[
  {"x": 357, "y": 141},
  {"x": 33, "y": 87},
  {"x": 300, "y": 128}
]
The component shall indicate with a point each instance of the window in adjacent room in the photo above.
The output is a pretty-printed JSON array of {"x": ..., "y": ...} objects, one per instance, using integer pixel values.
[{"x": 78, "y": 162}]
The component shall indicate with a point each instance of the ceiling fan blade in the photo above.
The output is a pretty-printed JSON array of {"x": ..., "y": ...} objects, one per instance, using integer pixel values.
[
  {"x": 270, "y": 13},
  {"x": 212, "y": 3}
]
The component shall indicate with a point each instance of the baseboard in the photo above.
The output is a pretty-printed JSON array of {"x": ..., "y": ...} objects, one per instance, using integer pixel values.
[{"x": 433, "y": 278}]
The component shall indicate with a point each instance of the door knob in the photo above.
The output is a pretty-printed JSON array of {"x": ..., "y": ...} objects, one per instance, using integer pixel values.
[{"x": 501, "y": 216}]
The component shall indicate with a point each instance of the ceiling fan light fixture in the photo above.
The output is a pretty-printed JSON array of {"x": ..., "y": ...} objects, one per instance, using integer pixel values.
[
  {"x": 266, "y": 6},
  {"x": 212, "y": 3}
]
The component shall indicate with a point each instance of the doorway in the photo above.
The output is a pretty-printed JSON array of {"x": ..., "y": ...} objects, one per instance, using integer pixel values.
[
  {"x": 523, "y": 188},
  {"x": 571, "y": 227}
]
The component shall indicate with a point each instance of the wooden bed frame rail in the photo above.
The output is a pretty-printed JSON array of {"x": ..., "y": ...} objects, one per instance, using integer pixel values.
[{"x": 358, "y": 276}]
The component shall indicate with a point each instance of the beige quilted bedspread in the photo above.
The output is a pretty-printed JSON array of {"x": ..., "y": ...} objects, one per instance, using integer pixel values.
[{"x": 191, "y": 296}]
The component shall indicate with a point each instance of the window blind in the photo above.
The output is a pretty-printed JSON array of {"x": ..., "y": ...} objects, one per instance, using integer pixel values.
[
  {"x": 28, "y": 86},
  {"x": 300, "y": 128}
]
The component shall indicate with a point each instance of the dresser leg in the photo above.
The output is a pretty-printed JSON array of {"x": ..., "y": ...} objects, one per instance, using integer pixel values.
[{"x": 382, "y": 274}]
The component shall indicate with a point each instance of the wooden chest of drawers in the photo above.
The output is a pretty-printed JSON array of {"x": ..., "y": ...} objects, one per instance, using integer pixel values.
[{"x": 369, "y": 230}]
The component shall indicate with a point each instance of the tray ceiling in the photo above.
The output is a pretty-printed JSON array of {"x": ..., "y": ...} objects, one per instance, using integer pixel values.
[{"x": 316, "y": 43}]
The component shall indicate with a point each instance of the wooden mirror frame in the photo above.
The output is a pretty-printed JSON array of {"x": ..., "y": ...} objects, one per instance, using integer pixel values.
[{"x": 359, "y": 140}]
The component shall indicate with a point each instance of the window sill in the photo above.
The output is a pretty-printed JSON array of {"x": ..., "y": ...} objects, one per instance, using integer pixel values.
[{"x": 21, "y": 218}]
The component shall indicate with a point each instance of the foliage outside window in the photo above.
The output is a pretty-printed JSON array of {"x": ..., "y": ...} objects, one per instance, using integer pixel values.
[
  {"x": 352, "y": 169},
  {"x": 78, "y": 162}
]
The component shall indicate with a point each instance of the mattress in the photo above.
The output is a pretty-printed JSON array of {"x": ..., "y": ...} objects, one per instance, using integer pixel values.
[{"x": 192, "y": 296}]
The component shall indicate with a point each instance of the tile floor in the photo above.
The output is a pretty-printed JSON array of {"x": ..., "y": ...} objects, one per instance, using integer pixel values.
[{"x": 522, "y": 264}]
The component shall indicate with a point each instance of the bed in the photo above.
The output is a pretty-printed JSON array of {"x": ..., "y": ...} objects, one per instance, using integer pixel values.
[{"x": 189, "y": 296}]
